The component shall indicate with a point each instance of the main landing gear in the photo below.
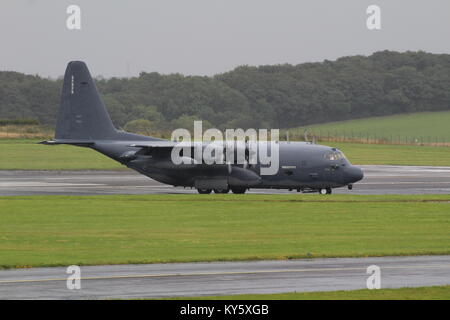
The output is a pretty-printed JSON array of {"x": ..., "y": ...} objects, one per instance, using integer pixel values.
[
  {"x": 204, "y": 191},
  {"x": 325, "y": 191},
  {"x": 222, "y": 190},
  {"x": 234, "y": 190},
  {"x": 238, "y": 190}
]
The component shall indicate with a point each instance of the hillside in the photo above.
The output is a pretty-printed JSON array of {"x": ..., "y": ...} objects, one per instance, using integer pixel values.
[
  {"x": 272, "y": 96},
  {"x": 421, "y": 126}
]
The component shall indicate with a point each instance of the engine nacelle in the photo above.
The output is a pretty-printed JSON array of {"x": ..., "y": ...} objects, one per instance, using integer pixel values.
[{"x": 240, "y": 177}]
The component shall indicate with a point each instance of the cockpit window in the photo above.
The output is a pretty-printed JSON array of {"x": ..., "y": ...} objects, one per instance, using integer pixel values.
[{"x": 334, "y": 155}]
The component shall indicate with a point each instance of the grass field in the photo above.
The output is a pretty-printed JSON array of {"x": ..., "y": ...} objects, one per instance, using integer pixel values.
[
  {"x": 63, "y": 230},
  {"x": 26, "y": 131},
  {"x": 359, "y": 153},
  {"x": 421, "y": 293},
  {"x": 431, "y": 126},
  {"x": 28, "y": 155}
]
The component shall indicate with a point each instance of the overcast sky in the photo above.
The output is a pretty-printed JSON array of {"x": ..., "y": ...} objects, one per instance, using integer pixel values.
[{"x": 205, "y": 37}]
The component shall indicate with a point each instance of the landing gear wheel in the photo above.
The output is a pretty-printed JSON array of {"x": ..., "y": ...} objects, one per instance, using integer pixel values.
[
  {"x": 325, "y": 191},
  {"x": 238, "y": 190},
  {"x": 222, "y": 190},
  {"x": 204, "y": 191}
]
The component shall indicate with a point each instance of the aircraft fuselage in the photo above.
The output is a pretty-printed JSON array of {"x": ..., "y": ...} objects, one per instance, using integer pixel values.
[{"x": 302, "y": 166}]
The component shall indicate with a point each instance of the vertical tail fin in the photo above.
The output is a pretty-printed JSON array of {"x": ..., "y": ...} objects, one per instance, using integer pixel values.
[{"x": 82, "y": 114}]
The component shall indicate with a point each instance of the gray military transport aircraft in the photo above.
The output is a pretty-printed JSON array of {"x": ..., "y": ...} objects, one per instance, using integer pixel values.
[{"x": 84, "y": 121}]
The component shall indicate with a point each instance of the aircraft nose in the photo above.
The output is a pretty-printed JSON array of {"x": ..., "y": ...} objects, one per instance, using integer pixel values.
[{"x": 354, "y": 174}]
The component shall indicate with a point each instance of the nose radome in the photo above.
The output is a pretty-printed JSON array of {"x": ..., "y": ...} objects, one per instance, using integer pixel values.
[
  {"x": 360, "y": 174},
  {"x": 354, "y": 174}
]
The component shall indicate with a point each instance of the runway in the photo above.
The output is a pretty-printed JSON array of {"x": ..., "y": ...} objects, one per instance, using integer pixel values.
[
  {"x": 220, "y": 278},
  {"x": 377, "y": 180}
]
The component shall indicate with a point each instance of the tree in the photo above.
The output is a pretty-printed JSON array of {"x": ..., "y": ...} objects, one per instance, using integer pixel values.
[
  {"x": 142, "y": 126},
  {"x": 276, "y": 96}
]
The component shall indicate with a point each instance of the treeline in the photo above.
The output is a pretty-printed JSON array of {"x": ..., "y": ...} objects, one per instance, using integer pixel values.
[{"x": 278, "y": 96}]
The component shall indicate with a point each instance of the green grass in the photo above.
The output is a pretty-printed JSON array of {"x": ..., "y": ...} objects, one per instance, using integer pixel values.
[
  {"x": 433, "y": 125},
  {"x": 421, "y": 293},
  {"x": 359, "y": 153},
  {"x": 28, "y": 155},
  {"x": 63, "y": 230}
]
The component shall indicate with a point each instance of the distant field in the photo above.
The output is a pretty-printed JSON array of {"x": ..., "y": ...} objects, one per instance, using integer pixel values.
[
  {"x": 421, "y": 293},
  {"x": 426, "y": 127},
  {"x": 87, "y": 230},
  {"x": 25, "y": 131},
  {"x": 359, "y": 153},
  {"x": 28, "y": 155}
]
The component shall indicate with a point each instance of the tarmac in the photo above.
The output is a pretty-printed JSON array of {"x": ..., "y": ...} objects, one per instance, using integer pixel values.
[
  {"x": 219, "y": 278},
  {"x": 224, "y": 278},
  {"x": 377, "y": 180}
]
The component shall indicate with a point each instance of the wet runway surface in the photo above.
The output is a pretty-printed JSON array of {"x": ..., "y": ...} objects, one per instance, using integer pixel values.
[
  {"x": 220, "y": 278},
  {"x": 377, "y": 180}
]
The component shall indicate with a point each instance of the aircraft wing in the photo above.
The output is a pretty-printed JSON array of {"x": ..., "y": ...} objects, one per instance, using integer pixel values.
[{"x": 171, "y": 144}]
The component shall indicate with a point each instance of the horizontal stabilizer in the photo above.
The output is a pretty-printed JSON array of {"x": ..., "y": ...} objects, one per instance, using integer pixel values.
[{"x": 84, "y": 143}]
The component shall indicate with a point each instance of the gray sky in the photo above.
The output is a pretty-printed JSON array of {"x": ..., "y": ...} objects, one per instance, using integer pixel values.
[{"x": 205, "y": 37}]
